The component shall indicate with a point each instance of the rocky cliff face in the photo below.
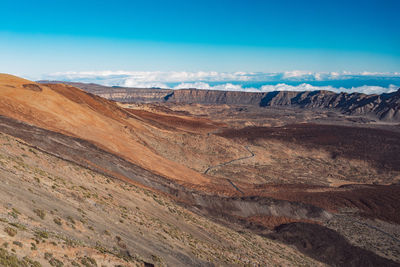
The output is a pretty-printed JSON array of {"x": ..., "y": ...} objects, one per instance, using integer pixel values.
[{"x": 384, "y": 107}]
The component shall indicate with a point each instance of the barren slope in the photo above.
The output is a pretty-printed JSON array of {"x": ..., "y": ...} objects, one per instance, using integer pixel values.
[
  {"x": 52, "y": 211},
  {"x": 70, "y": 111}
]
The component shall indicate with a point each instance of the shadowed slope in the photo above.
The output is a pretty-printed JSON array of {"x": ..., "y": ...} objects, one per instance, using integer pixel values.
[
  {"x": 377, "y": 146},
  {"x": 327, "y": 246}
]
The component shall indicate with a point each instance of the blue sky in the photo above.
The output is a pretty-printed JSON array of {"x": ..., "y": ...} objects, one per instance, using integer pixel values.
[{"x": 39, "y": 37}]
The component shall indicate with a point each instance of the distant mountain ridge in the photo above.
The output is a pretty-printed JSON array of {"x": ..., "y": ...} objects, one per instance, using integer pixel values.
[{"x": 385, "y": 107}]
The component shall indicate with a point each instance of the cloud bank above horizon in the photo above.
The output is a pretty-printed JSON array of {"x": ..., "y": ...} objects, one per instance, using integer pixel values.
[{"x": 362, "y": 82}]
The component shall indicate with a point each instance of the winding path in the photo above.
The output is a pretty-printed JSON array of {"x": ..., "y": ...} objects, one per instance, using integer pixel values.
[
  {"x": 234, "y": 186},
  {"x": 230, "y": 162}
]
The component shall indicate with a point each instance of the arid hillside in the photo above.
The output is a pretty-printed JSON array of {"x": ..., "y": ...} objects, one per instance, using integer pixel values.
[
  {"x": 70, "y": 111},
  {"x": 126, "y": 180},
  {"x": 56, "y": 213}
]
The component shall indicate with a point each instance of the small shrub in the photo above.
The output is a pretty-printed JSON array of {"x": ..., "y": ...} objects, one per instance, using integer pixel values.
[
  {"x": 10, "y": 231},
  {"x": 156, "y": 258},
  {"x": 70, "y": 219},
  {"x": 41, "y": 234},
  {"x": 55, "y": 262},
  {"x": 88, "y": 262},
  {"x": 33, "y": 246},
  {"x": 13, "y": 214},
  {"x": 16, "y": 211},
  {"x": 40, "y": 213},
  {"x": 7, "y": 259},
  {"x": 17, "y": 243},
  {"x": 31, "y": 262},
  {"x": 18, "y": 226},
  {"x": 57, "y": 221}
]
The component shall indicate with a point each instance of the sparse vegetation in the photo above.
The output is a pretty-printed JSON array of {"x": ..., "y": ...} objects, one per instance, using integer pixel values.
[
  {"x": 41, "y": 234},
  {"x": 40, "y": 213},
  {"x": 10, "y": 231},
  {"x": 17, "y": 243},
  {"x": 33, "y": 246},
  {"x": 13, "y": 214},
  {"x": 57, "y": 221},
  {"x": 56, "y": 262},
  {"x": 32, "y": 151},
  {"x": 16, "y": 211},
  {"x": 10, "y": 260},
  {"x": 70, "y": 219},
  {"x": 88, "y": 262},
  {"x": 18, "y": 226}
]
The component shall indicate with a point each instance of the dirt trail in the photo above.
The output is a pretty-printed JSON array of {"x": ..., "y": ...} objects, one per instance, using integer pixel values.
[
  {"x": 231, "y": 161},
  {"x": 234, "y": 186}
]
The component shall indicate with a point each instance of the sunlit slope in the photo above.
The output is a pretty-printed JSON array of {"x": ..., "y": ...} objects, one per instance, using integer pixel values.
[{"x": 71, "y": 111}]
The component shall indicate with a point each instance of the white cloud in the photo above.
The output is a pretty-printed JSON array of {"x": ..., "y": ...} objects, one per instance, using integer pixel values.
[
  {"x": 234, "y": 81},
  {"x": 285, "y": 87},
  {"x": 221, "y": 87},
  {"x": 212, "y": 76},
  {"x": 366, "y": 89}
]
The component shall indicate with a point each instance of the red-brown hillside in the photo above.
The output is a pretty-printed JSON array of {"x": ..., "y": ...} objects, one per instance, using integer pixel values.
[{"x": 73, "y": 112}]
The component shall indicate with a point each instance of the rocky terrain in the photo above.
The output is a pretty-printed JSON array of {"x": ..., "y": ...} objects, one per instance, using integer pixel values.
[
  {"x": 384, "y": 107},
  {"x": 54, "y": 212},
  {"x": 91, "y": 182}
]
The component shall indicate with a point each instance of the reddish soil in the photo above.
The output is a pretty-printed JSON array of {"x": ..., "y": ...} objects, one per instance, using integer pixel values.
[
  {"x": 176, "y": 122},
  {"x": 73, "y": 112},
  {"x": 101, "y": 105}
]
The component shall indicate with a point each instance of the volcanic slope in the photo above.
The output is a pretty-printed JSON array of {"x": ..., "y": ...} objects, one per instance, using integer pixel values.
[
  {"x": 70, "y": 111},
  {"x": 56, "y": 213},
  {"x": 167, "y": 152}
]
